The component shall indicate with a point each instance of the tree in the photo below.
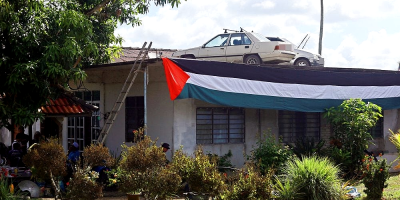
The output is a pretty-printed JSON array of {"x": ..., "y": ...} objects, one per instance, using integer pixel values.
[{"x": 46, "y": 43}]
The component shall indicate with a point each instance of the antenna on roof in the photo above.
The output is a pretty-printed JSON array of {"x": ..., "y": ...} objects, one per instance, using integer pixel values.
[
  {"x": 242, "y": 30},
  {"x": 302, "y": 41},
  {"x": 305, "y": 42}
]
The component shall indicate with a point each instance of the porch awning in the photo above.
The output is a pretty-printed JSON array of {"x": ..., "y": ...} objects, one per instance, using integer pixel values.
[
  {"x": 305, "y": 89},
  {"x": 67, "y": 105}
]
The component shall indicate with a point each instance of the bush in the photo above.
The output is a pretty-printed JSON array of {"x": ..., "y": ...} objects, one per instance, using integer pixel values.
[
  {"x": 47, "y": 160},
  {"x": 251, "y": 184},
  {"x": 351, "y": 122},
  {"x": 199, "y": 171},
  {"x": 307, "y": 147},
  {"x": 97, "y": 155},
  {"x": 375, "y": 176},
  {"x": 314, "y": 178},
  {"x": 83, "y": 185},
  {"x": 143, "y": 169},
  {"x": 223, "y": 162},
  {"x": 270, "y": 155}
]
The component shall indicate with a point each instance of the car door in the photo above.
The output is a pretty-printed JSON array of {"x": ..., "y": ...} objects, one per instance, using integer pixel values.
[
  {"x": 215, "y": 48},
  {"x": 239, "y": 44}
]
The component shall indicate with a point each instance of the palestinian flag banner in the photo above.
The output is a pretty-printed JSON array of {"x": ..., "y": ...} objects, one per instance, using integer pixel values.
[{"x": 306, "y": 89}]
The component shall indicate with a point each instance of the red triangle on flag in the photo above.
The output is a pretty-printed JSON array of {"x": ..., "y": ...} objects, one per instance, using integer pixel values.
[{"x": 176, "y": 78}]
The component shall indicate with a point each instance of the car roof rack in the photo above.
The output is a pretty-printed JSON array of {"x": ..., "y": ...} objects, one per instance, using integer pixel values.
[{"x": 241, "y": 30}]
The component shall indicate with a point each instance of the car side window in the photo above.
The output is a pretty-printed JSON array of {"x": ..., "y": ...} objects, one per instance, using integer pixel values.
[
  {"x": 246, "y": 40},
  {"x": 218, "y": 41},
  {"x": 239, "y": 39}
]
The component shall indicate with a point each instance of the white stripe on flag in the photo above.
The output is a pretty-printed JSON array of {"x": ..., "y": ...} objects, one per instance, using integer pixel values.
[{"x": 236, "y": 85}]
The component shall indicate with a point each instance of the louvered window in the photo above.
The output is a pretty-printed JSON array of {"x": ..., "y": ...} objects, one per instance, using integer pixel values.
[
  {"x": 296, "y": 125},
  {"x": 220, "y": 125}
]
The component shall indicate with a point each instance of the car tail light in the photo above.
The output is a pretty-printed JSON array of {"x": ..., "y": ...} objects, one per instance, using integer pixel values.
[{"x": 276, "y": 47}]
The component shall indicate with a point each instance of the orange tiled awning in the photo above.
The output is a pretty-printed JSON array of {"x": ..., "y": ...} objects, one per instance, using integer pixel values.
[{"x": 68, "y": 105}]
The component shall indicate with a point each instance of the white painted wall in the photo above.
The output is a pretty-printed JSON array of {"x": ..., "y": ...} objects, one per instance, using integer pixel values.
[{"x": 174, "y": 122}]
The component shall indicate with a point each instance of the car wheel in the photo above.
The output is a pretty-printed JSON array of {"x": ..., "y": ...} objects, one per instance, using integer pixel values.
[
  {"x": 252, "y": 60},
  {"x": 302, "y": 62}
]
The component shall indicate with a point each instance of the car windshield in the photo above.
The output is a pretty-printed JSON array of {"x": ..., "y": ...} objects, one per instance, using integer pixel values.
[
  {"x": 219, "y": 40},
  {"x": 260, "y": 37}
]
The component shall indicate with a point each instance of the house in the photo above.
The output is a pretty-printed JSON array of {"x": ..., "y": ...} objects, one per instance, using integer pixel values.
[
  {"x": 57, "y": 112},
  {"x": 191, "y": 122}
]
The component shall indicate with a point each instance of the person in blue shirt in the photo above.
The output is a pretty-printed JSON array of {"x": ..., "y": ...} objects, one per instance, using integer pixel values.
[
  {"x": 72, "y": 159},
  {"x": 73, "y": 155}
]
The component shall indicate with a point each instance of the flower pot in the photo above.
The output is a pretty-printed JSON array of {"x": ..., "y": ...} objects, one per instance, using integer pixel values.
[{"x": 133, "y": 196}]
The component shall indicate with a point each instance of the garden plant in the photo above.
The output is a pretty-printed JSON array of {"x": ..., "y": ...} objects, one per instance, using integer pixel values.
[
  {"x": 375, "y": 176},
  {"x": 48, "y": 161},
  {"x": 251, "y": 184},
  {"x": 312, "y": 178},
  {"x": 143, "y": 169},
  {"x": 199, "y": 172},
  {"x": 352, "y": 122},
  {"x": 269, "y": 154}
]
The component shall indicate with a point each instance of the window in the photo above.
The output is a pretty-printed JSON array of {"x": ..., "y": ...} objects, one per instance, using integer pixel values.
[
  {"x": 377, "y": 131},
  {"x": 296, "y": 125},
  {"x": 134, "y": 116},
  {"x": 218, "y": 41},
  {"x": 239, "y": 39},
  {"x": 85, "y": 130},
  {"x": 219, "y": 125}
]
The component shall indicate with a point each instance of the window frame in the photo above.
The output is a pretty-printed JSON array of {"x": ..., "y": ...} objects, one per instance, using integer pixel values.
[
  {"x": 298, "y": 126},
  {"x": 139, "y": 122},
  {"x": 214, "y": 117}
]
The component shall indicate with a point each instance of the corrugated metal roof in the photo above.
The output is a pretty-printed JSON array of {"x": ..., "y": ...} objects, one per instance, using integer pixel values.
[{"x": 68, "y": 105}]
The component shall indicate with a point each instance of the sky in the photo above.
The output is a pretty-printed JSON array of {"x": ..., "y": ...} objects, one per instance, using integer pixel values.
[{"x": 356, "y": 33}]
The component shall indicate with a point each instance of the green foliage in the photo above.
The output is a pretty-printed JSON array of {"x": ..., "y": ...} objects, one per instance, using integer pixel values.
[
  {"x": 351, "y": 123},
  {"x": 222, "y": 161},
  {"x": 307, "y": 147},
  {"x": 5, "y": 193},
  {"x": 251, "y": 184},
  {"x": 313, "y": 178},
  {"x": 375, "y": 176},
  {"x": 47, "y": 44},
  {"x": 341, "y": 158},
  {"x": 143, "y": 170},
  {"x": 269, "y": 154},
  {"x": 285, "y": 190},
  {"x": 84, "y": 178},
  {"x": 199, "y": 171}
]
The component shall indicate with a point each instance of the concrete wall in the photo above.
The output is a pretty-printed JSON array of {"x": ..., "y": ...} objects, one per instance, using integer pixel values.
[{"x": 174, "y": 122}]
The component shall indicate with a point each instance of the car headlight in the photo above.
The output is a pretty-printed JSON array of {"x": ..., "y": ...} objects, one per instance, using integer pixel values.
[{"x": 316, "y": 57}]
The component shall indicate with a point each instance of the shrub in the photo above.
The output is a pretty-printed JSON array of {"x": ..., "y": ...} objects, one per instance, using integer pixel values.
[
  {"x": 143, "y": 169},
  {"x": 199, "y": 171},
  {"x": 251, "y": 184},
  {"x": 341, "y": 158},
  {"x": 48, "y": 161},
  {"x": 270, "y": 154},
  {"x": 223, "y": 162},
  {"x": 97, "y": 155},
  {"x": 375, "y": 176},
  {"x": 314, "y": 177},
  {"x": 83, "y": 185},
  {"x": 351, "y": 122},
  {"x": 307, "y": 147},
  {"x": 395, "y": 139}
]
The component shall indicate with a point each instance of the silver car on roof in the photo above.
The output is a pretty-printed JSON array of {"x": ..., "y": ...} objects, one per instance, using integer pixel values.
[{"x": 241, "y": 47}]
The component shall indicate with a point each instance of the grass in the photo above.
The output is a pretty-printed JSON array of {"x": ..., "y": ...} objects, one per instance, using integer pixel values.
[{"x": 391, "y": 192}]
